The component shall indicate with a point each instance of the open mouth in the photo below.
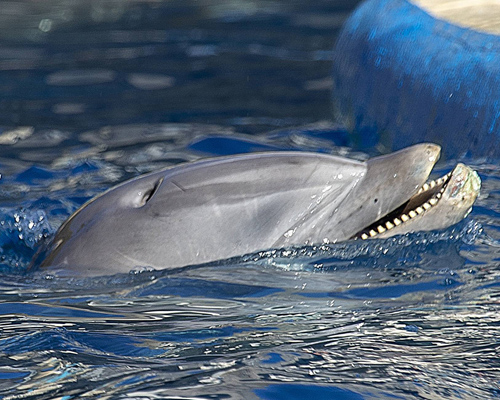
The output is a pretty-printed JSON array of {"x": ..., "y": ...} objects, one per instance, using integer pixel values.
[{"x": 427, "y": 197}]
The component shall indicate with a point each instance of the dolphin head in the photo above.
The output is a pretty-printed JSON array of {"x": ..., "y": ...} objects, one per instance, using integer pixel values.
[{"x": 223, "y": 207}]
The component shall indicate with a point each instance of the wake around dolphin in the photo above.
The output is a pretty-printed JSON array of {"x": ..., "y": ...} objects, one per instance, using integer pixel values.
[{"x": 223, "y": 207}]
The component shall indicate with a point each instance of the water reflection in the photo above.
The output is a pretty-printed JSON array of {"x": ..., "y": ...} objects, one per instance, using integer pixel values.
[
  {"x": 86, "y": 64},
  {"x": 97, "y": 92}
]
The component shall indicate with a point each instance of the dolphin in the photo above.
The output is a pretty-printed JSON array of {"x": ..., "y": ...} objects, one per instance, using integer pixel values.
[{"x": 222, "y": 207}]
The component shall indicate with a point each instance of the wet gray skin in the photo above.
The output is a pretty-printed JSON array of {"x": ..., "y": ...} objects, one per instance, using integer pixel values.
[{"x": 223, "y": 207}]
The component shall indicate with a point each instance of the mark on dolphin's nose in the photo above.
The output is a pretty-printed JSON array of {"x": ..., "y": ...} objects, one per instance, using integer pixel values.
[{"x": 177, "y": 185}]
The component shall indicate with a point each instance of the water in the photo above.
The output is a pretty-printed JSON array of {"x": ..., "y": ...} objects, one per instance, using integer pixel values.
[{"x": 414, "y": 317}]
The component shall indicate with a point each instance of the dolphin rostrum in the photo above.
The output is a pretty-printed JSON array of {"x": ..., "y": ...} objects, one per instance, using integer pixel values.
[{"x": 223, "y": 207}]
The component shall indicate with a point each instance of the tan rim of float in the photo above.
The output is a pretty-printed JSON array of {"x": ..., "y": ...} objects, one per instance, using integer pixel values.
[{"x": 480, "y": 15}]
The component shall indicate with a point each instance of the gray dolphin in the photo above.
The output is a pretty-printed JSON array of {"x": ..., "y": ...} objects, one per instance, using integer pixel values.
[{"x": 222, "y": 207}]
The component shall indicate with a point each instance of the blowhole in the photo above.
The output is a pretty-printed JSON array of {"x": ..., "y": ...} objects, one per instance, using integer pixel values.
[{"x": 148, "y": 194}]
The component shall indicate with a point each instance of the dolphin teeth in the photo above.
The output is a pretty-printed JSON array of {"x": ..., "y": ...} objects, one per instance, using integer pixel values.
[{"x": 439, "y": 185}]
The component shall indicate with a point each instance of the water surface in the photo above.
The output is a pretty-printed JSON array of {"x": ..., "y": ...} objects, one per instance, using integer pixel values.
[{"x": 94, "y": 93}]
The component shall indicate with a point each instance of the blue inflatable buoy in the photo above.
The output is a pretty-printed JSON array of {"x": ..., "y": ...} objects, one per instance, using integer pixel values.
[{"x": 424, "y": 70}]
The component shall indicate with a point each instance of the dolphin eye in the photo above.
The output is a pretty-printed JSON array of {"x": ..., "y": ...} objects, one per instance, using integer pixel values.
[{"x": 148, "y": 194}]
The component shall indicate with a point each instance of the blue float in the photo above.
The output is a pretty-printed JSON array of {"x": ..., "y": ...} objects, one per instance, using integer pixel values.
[{"x": 402, "y": 76}]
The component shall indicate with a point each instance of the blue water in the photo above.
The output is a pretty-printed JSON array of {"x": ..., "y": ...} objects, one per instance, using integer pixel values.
[{"x": 94, "y": 94}]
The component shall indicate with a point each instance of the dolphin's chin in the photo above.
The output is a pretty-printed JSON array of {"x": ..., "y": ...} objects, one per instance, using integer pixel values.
[{"x": 429, "y": 198}]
